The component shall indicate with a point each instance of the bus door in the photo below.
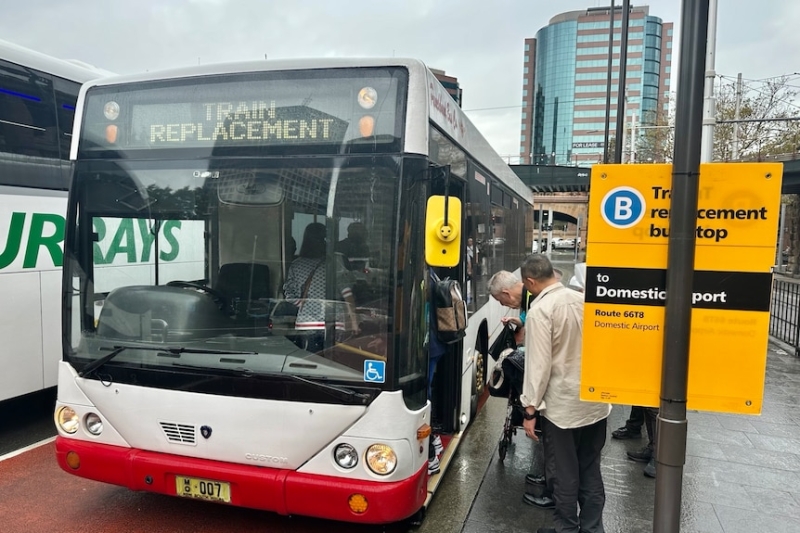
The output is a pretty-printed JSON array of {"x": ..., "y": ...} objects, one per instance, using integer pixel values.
[{"x": 446, "y": 393}]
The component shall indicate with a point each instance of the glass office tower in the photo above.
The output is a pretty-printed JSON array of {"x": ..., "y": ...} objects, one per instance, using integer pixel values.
[{"x": 565, "y": 79}]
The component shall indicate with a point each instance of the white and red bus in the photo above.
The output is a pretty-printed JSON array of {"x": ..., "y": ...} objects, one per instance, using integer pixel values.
[
  {"x": 198, "y": 377},
  {"x": 38, "y": 94}
]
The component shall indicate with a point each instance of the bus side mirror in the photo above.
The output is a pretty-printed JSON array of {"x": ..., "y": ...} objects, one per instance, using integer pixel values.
[{"x": 443, "y": 237}]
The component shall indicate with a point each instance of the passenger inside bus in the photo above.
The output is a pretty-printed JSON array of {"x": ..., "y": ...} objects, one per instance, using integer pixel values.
[{"x": 305, "y": 287}]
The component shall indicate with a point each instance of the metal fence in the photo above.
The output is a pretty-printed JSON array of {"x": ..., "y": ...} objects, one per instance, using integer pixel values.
[{"x": 784, "y": 313}]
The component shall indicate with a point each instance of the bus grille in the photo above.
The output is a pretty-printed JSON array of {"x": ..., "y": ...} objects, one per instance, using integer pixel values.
[{"x": 179, "y": 433}]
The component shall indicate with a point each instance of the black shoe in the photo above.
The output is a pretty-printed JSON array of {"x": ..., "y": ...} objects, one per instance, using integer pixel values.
[
  {"x": 641, "y": 456},
  {"x": 545, "y": 502},
  {"x": 650, "y": 469},
  {"x": 534, "y": 480},
  {"x": 625, "y": 432}
]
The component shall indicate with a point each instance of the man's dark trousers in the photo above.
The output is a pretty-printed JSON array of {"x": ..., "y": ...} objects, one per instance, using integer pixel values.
[
  {"x": 575, "y": 457},
  {"x": 636, "y": 420}
]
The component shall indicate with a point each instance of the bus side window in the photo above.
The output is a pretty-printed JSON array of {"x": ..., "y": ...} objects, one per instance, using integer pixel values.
[{"x": 27, "y": 112}]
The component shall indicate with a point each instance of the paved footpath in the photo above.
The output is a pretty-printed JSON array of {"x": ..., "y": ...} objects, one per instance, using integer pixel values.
[{"x": 742, "y": 473}]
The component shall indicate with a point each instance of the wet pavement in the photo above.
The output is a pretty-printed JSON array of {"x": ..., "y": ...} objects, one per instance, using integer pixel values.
[{"x": 742, "y": 473}]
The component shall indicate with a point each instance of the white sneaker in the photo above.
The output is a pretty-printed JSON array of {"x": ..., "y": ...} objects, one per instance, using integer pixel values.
[
  {"x": 437, "y": 445},
  {"x": 433, "y": 466}
]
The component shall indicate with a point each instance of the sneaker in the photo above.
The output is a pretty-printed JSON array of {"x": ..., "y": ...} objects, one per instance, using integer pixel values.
[
  {"x": 650, "y": 469},
  {"x": 625, "y": 433},
  {"x": 437, "y": 445},
  {"x": 641, "y": 456},
  {"x": 433, "y": 466}
]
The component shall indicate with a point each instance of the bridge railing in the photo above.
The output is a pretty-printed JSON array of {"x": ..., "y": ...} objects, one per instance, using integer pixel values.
[{"x": 784, "y": 313}]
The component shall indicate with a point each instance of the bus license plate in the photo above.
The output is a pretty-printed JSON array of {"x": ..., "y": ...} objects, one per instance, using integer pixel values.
[{"x": 203, "y": 489}]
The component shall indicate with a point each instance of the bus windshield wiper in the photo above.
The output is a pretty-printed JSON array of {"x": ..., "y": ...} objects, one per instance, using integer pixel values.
[
  {"x": 172, "y": 350},
  {"x": 350, "y": 393}
]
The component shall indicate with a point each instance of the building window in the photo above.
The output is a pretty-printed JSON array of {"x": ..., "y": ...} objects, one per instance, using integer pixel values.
[
  {"x": 524, "y": 127},
  {"x": 522, "y": 138},
  {"x": 524, "y": 92},
  {"x": 524, "y": 115},
  {"x": 525, "y": 71},
  {"x": 528, "y": 47}
]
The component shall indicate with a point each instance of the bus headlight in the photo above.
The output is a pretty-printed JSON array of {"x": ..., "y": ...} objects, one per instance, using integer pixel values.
[
  {"x": 94, "y": 424},
  {"x": 345, "y": 456},
  {"x": 67, "y": 419},
  {"x": 381, "y": 459}
]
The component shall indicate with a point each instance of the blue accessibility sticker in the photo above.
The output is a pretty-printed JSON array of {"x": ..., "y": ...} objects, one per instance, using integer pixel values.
[{"x": 375, "y": 371}]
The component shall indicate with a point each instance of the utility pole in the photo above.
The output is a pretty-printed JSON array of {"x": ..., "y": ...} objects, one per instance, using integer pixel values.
[
  {"x": 736, "y": 117},
  {"x": 608, "y": 79},
  {"x": 710, "y": 104},
  {"x": 623, "y": 69},
  {"x": 671, "y": 425},
  {"x": 632, "y": 157}
]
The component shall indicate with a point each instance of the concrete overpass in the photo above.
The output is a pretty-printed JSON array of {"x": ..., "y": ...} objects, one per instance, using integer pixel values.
[{"x": 549, "y": 179}]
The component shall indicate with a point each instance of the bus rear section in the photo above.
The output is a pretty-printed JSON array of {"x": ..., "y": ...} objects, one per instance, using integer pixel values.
[{"x": 244, "y": 311}]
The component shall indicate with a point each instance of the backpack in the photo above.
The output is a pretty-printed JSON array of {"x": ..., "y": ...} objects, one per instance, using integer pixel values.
[{"x": 451, "y": 310}]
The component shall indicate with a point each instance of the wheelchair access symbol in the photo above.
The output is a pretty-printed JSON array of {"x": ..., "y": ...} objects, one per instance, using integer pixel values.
[{"x": 375, "y": 371}]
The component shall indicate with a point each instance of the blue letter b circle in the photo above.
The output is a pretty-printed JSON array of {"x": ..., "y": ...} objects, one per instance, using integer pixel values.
[{"x": 622, "y": 207}]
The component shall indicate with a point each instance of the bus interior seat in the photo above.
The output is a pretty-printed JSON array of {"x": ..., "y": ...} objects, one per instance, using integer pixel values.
[{"x": 234, "y": 281}]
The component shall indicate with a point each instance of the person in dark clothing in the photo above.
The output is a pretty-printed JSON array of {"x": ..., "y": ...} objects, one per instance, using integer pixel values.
[
  {"x": 354, "y": 248},
  {"x": 648, "y": 453},
  {"x": 633, "y": 426}
]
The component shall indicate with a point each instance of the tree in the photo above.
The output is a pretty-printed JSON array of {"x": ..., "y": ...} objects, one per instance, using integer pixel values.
[
  {"x": 757, "y": 138},
  {"x": 656, "y": 141}
]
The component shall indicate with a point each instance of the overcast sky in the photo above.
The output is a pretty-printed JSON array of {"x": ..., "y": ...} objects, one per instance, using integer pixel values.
[{"x": 478, "y": 41}]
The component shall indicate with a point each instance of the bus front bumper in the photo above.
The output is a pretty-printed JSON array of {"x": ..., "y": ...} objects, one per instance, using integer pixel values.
[{"x": 286, "y": 492}]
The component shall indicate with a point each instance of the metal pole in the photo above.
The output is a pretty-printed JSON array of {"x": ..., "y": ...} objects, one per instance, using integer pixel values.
[
  {"x": 781, "y": 229},
  {"x": 608, "y": 80},
  {"x": 671, "y": 426},
  {"x": 623, "y": 70},
  {"x": 550, "y": 231},
  {"x": 736, "y": 117},
  {"x": 710, "y": 104},
  {"x": 541, "y": 215},
  {"x": 577, "y": 237}
]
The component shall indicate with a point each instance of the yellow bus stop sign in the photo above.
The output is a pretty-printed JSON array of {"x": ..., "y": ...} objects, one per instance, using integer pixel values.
[{"x": 623, "y": 335}]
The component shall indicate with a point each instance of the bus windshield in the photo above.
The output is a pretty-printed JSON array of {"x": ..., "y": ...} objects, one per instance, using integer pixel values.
[{"x": 256, "y": 266}]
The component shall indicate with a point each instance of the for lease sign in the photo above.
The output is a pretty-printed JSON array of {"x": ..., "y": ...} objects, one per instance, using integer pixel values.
[{"x": 737, "y": 220}]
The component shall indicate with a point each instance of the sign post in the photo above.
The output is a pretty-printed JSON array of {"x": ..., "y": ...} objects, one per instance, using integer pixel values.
[{"x": 671, "y": 425}]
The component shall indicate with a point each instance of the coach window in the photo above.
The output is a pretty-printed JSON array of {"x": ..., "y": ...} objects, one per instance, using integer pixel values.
[
  {"x": 27, "y": 113},
  {"x": 66, "y": 96}
]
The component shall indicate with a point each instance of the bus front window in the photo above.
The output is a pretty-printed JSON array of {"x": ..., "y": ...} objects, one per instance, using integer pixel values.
[{"x": 288, "y": 266}]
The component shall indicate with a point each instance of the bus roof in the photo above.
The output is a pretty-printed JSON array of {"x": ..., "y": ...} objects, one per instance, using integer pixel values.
[
  {"x": 426, "y": 97},
  {"x": 72, "y": 70}
]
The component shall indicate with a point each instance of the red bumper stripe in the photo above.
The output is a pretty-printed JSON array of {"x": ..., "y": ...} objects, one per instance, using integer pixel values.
[{"x": 285, "y": 492}]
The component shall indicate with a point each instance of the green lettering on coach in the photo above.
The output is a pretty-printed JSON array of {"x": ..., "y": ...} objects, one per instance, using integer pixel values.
[{"x": 14, "y": 238}]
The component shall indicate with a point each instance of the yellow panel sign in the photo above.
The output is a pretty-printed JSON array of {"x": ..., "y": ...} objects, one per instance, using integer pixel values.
[{"x": 737, "y": 224}]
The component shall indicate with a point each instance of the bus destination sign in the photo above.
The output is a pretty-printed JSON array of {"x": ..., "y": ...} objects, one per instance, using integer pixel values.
[{"x": 228, "y": 123}]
